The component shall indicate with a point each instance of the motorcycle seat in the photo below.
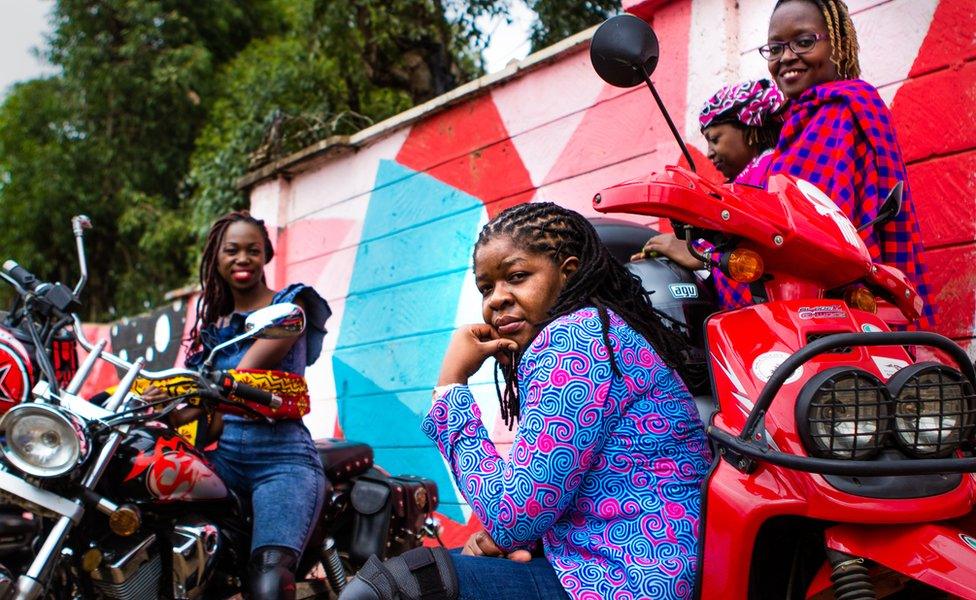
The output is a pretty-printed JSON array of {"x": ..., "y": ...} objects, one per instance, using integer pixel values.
[{"x": 342, "y": 459}]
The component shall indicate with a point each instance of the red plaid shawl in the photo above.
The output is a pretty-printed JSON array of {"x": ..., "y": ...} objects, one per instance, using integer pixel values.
[{"x": 840, "y": 137}]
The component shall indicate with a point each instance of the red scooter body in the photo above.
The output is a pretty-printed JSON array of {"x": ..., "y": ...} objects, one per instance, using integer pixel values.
[{"x": 773, "y": 512}]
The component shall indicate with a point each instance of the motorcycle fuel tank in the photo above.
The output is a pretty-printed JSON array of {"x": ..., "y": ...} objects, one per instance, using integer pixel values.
[{"x": 154, "y": 464}]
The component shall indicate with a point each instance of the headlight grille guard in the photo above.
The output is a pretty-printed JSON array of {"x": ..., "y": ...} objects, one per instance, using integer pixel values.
[
  {"x": 819, "y": 402},
  {"x": 743, "y": 453}
]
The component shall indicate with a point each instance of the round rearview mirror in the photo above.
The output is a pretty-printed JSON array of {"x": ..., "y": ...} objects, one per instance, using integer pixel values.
[
  {"x": 623, "y": 50},
  {"x": 276, "y": 321}
]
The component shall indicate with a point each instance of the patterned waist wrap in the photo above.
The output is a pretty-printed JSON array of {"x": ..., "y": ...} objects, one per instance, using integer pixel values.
[{"x": 291, "y": 388}]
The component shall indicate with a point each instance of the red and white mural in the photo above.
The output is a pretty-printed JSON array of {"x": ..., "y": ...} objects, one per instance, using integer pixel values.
[{"x": 383, "y": 226}]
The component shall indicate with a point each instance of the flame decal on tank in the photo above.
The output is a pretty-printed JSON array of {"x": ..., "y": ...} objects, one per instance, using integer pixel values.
[{"x": 173, "y": 473}]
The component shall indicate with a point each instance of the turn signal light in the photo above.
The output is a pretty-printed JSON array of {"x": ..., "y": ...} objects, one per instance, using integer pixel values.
[
  {"x": 125, "y": 520},
  {"x": 744, "y": 266},
  {"x": 91, "y": 560},
  {"x": 861, "y": 298}
]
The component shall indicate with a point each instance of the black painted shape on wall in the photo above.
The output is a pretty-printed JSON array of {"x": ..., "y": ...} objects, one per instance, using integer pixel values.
[{"x": 156, "y": 336}]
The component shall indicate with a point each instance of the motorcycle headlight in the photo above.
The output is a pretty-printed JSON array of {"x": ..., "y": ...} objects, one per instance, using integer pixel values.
[
  {"x": 934, "y": 409},
  {"x": 42, "y": 440},
  {"x": 843, "y": 413}
]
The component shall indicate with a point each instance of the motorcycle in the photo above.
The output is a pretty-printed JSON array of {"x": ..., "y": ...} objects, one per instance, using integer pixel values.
[
  {"x": 843, "y": 465},
  {"x": 124, "y": 506}
]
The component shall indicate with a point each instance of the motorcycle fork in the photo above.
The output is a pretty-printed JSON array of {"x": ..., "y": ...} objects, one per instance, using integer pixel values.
[{"x": 31, "y": 584}]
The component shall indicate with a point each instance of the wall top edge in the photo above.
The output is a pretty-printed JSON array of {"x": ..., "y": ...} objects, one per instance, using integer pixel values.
[
  {"x": 339, "y": 145},
  {"x": 643, "y": 8}
]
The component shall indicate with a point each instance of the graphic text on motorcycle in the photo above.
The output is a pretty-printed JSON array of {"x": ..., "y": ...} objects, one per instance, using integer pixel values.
[
  {"x": 682, "y": 291},
  {"x": 832, "y": 311}
]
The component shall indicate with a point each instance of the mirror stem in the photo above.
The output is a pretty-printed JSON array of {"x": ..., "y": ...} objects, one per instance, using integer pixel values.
[{"x": 667, "y": 117}]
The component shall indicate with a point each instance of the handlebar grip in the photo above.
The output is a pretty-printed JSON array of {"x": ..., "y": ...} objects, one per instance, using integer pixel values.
[
  {"x": 253, "y": 394},
  {"x": 247, "y": 392},
  {"x": 22, "y": 276}
]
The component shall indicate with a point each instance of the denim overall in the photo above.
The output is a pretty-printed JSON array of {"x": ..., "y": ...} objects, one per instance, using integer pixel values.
[{"x": 275, "y": 465}]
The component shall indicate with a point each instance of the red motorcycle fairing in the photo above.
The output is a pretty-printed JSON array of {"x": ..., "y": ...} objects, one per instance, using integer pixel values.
[
  {"x": 800, "y": 235},
  {"x": 155, "y": 465},
  {"x": 745, "y": 346},
  {"x": 16, "y": 371},
  {"x": 737, "y": 505},
  {"x": 774, "y": 331},
  {"x": 938, "y": 554}
]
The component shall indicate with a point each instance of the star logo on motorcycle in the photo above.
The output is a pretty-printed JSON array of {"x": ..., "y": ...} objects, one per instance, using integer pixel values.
[{"x": 5, "y": 392}]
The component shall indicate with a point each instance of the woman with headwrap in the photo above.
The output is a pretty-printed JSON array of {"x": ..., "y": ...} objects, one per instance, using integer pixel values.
[{"x": 741, "y": 124}]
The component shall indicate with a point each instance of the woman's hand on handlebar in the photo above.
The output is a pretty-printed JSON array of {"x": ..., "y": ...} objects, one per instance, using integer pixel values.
[
  {"x": 470, "y": 347},
  {"x": 481, "y": 544},
  {"x": 666, "y": 244},
  {"x": 153, "y": 394}
]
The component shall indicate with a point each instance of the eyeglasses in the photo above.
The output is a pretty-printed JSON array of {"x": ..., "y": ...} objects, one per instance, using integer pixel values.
[{"x": 799, "y": 45}]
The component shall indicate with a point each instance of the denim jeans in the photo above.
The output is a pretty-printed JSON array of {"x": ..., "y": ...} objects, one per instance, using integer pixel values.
[
  {"x": 277, "y": 467},
  {"x": 482, "y": 578}
]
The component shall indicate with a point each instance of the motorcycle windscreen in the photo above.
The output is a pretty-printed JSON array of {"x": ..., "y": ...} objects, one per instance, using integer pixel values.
[{"x": 938, "y": 555}]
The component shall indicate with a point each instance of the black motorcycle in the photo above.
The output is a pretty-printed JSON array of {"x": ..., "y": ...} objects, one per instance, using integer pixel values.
[{"x": 125, "y": 507}]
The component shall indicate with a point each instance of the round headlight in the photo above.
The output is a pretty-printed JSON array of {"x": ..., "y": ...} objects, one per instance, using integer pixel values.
[
  {"x": 843, "y": 413},
  {"x": 934, "y": 408},
  {"x": 41, "y": 440}
]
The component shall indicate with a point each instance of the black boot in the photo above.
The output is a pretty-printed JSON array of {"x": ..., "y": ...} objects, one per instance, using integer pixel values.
[{"x": 271, "y": 573}]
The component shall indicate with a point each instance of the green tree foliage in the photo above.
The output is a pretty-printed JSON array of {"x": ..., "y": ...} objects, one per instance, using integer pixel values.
[
  {"x": 341, "y": 66},
  {"x": 558, "y": 19},
  {"x": 271, "y": 77},
  {"x": 41, "y": 167},
  {"x": 159, "y": 107},
  {"x": 113, "y": 139}
]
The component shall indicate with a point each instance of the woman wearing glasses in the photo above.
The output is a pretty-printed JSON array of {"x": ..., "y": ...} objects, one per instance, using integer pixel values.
[{"x": 838, "y": 134}]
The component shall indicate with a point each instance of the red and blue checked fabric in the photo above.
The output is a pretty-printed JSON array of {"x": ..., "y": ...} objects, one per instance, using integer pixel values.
[{"x": 840, "y": 137}]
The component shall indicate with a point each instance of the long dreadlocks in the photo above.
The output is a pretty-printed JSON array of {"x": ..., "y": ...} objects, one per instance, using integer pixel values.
[
  {"x": 600, "y": 281},
  {"x": 843, "y": 36},
  {"x": 215, "y": 299}
]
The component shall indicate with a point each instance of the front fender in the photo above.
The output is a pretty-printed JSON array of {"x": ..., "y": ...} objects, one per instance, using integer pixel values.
[{"x": 938, "y": 554}]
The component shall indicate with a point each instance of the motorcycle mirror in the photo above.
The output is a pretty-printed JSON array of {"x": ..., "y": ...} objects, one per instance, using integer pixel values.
[
  {"x": 624, "y": 51},
  {"x": 889, "y": 208},
  {"x": 269, "y": 323},
  {"x": 277, "y": 321}
]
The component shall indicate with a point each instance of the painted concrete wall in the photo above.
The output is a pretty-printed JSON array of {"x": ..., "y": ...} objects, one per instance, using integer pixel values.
[{"x": 382, "y": 224}]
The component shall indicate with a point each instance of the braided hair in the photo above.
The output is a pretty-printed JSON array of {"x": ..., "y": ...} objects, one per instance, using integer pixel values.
[
  {"x": 843, "y": 36},
  {"x": 762, "y": 138},
  {"x": 600, "y": 281},
  {"x": 215, "y": 298}
]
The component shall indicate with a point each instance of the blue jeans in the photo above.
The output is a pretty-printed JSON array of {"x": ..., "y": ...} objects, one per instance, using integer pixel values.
[
  {"x": 277, "y": 467},
  {"x": 482, "y": 578}
]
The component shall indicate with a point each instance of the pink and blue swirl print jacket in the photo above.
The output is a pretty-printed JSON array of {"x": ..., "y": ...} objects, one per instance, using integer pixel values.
[{"x": 606, "y": 471}]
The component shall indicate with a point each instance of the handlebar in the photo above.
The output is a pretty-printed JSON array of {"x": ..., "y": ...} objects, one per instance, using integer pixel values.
[
  {"x": 121, "y": 363},
  {"x": 79, "y": 224},
  {"x": 246, "y": 392},
  {"x": 223, "y": 381},
  {"x": 21, "y": 276}
]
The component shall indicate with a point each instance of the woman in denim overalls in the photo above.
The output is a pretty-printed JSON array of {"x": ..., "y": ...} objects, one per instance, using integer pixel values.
[{"x": 275, "y": 465}]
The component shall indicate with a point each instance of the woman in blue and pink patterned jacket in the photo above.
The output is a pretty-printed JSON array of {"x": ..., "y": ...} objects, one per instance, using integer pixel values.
[{"x": 606, "y": 469}]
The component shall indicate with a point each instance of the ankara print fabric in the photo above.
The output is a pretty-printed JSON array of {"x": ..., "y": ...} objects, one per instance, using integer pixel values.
[
  {"x": 751, "y": 103},
  {"x": 605, "y": 470},
  {"x": 840, "y": 137}
]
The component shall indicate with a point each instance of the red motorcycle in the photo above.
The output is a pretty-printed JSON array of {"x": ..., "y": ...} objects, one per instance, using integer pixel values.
[
  {"x": 843, "y": 465},
  {"x": 108, "y": 500}
]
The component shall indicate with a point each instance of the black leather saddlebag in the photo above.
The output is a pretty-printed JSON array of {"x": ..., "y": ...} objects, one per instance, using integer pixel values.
[{"x": 390, "y": 514}]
